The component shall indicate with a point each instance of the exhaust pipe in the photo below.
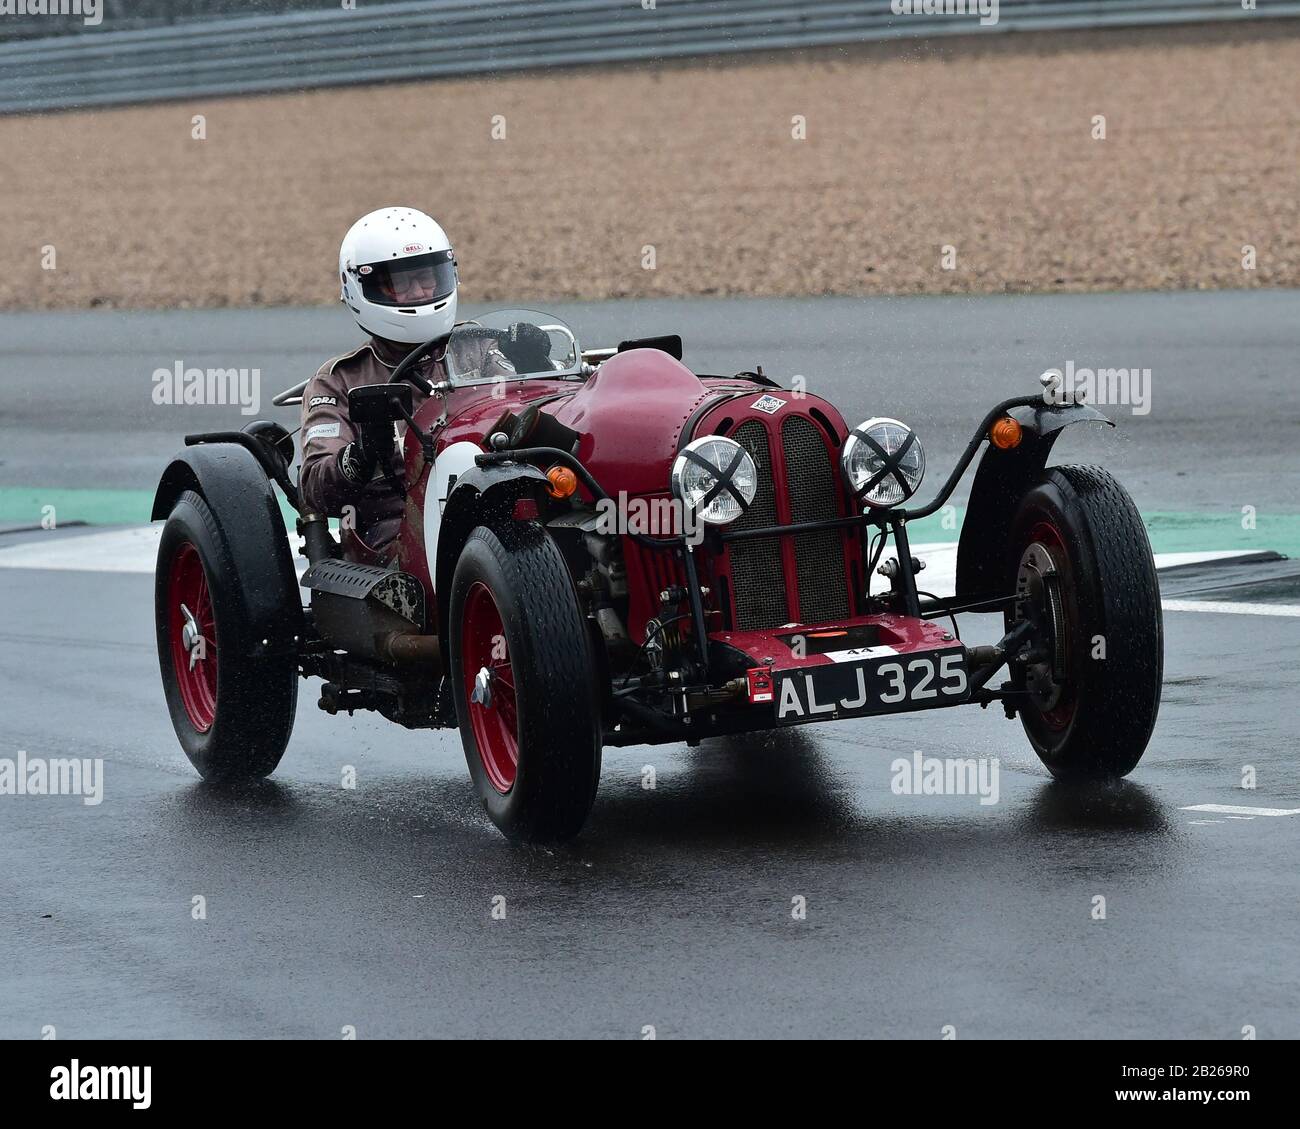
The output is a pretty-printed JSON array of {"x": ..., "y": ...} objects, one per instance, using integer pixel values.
[
  {"x": 318, "y": 542},
  {"x": 402, "y": 648}
]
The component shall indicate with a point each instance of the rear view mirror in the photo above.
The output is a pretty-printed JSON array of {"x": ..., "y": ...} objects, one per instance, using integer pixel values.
[
  {"x": 379, "y": 403},
  {"x": 670, "y": 343}
]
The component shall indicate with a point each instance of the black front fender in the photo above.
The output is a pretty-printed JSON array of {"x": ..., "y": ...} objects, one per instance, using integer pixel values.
[
  {"x": 1047, "y": 419},
  {"x": 238, "y": 492},
  {"x": 1000, "y": 482}
]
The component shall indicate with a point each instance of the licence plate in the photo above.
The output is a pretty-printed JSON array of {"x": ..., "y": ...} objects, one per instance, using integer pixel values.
[{"x": 914, "y": 681}]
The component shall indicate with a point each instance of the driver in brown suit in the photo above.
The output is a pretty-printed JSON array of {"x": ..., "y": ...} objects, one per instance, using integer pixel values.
[{"x": 398, "y": 277}]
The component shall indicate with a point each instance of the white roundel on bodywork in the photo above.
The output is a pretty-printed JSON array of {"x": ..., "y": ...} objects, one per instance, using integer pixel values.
[{"x": 451, "y": 463}]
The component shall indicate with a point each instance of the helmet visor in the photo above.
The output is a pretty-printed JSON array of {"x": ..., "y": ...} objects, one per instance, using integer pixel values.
[{"x": 414, "y": 281}]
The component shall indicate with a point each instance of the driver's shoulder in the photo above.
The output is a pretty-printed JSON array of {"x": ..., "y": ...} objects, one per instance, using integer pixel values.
[{"x": 360, "y": 360}]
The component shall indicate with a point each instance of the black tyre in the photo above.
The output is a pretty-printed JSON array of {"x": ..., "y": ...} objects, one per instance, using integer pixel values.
[
  {"x": 232, "y": 714},
  {"x": 1082, "y": 567},
  {"x": 521, "y": 674}
]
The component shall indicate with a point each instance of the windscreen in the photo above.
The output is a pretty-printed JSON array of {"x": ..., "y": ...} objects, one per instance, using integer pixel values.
[{"x": 512, "y": 345}]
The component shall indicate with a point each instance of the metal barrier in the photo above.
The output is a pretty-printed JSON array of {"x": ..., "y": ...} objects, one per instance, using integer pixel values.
[
  {"x": 122, "y": 15},
  {"x": 137, "y": 58}
]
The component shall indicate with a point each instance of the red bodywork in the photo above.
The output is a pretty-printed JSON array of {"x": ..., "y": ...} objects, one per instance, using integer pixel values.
[{"x": 630, "y": 415}]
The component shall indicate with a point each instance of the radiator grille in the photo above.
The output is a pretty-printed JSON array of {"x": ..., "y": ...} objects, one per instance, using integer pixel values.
[
  {"x": 819, "y": 557},
  {"x": 757, "y": 575}
]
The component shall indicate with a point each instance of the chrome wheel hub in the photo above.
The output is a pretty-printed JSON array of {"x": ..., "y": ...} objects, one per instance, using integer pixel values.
[
  {"x": 482, "y": 693},
  {"x": 191, "y": 637}
]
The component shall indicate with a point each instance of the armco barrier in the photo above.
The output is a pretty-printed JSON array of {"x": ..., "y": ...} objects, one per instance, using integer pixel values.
[{"x": 193, "y": 48}]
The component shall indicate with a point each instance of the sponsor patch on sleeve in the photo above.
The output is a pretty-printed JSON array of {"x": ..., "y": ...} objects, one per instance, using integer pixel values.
[
  {"x": 322, "y": 431},
  {"x": 316, "y": 401}
]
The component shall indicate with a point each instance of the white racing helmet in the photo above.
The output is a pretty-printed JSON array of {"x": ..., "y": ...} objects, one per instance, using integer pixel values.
[{"x": 399, "y": 278}]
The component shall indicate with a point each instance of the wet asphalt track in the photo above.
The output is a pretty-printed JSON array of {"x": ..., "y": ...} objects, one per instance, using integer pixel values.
[{"x": 373, "y": 908}]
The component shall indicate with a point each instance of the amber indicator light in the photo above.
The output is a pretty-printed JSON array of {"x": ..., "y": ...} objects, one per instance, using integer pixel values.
[
  {"x": 1005, "y": 433},
  {"x": 562, "y": 482}
]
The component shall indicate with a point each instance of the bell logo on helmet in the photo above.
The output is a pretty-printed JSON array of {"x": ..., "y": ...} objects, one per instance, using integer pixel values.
[{"x": 412, "y": 248}]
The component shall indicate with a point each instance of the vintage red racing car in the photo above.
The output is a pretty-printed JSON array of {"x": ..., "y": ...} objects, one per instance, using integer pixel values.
[{"x": 615, "y": 550}]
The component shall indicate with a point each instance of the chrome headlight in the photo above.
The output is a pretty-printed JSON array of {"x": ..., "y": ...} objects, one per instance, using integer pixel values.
[
  {"x": 715, "y": 479},
  {"x": 883, "y": 461}
]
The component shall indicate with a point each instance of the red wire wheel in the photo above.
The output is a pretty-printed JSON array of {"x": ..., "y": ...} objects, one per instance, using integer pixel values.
[
  {"x": 192, "y": 628},
  {"x": 523, "y": 683},
  {"x": 232, "y": 718},
  {"x": 490, "y": 687}
]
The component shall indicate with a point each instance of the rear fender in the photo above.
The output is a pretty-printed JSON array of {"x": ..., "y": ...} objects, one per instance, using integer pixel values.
[
  {"x": 239, "y": 494},
  {"x": 1000, "y": 482}
]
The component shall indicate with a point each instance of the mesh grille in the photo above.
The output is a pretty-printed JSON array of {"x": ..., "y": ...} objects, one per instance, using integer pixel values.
[
  {"x": 819, "y": 557},
  {"x": 756, "y": 568}
]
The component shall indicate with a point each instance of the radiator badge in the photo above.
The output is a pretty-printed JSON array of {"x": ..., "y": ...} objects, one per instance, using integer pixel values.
[{"x": 769, "y": 404}]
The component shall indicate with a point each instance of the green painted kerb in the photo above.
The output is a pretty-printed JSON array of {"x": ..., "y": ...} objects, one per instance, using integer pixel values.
[
  {"x": 1174, "y": 532},
  {"x": 27, "y": 505},
  {"x": 1170, "y": 532}
]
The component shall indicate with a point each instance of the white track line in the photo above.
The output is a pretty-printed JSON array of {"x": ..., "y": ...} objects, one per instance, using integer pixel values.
[
  {"x": 1225, "y": 607},
  {"x": 1238, "y": 809},
  {"x": 1173, "y": 560},
  {"x": 135, "y": 550},
  {"x": 112, "y": 550}
]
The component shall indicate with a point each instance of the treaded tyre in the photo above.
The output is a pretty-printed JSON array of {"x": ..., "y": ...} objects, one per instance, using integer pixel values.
[
  {"x": 233, "y": 714},
  {"x": 522, "y": 678},
  {"x": 1081, "y": 565}
]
